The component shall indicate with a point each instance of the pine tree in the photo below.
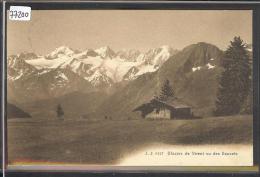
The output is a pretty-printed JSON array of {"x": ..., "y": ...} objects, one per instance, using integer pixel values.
[
  {"x": 59, "y": 111},
  {"x": 166, "y": 91},
  {"x": 247, "y": 108},
  {"x": 235, "y": 80}
]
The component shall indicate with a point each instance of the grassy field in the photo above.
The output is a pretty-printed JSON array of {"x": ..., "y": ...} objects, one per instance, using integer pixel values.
[{"x": 107, "y": 141}]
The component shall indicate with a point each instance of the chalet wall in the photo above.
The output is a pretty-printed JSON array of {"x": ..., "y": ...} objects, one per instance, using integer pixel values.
[
  {"x": 181, "y": 113},
  {"x": 161, "y": 114}
]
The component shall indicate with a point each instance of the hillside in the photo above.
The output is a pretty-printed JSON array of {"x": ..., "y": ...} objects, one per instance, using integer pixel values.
[
  {"x": 15, "y": 112},
  {"x": 193, "y": 73},
  {"x": 74, "y": 105}
]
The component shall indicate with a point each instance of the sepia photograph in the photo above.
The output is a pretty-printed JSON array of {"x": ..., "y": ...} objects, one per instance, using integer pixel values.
[{"x": 131, "y": 88}]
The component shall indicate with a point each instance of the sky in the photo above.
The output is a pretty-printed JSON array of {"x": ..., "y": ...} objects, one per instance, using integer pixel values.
[{"x": 126, "y": 29}]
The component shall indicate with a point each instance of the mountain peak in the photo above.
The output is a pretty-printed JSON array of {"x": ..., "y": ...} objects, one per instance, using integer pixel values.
[
  {"x": 205, "y": 44},
  {"x": 198, "y": 56},
  {"x": 129, "y": 55},
  {"x": 167, "y": 47},
  {"x": 98, "y": 78},
  {"x": 63, "y": 49},
  {"x": 60, "y": 51},
  {"x": 105, "y": 52},
  {"x": 202, "y": 46},
  {"x": 104, "y": 49}
]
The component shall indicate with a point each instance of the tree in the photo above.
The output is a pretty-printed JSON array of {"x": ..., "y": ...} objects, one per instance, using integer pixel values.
[
  {"x": 235, "y": 80},
  {"x": 247, "y": 107},
  {"x": 166, "y": 91},
  {"x": 60, "y": 112}
]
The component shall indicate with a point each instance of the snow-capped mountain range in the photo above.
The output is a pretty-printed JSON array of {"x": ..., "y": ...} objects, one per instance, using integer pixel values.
[
  {"x": 77, "y": 78},
  {"x": 101, "y": 67}
]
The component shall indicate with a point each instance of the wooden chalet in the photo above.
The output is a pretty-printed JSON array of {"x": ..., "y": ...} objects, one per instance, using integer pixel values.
[{"x": 169, "y": 109}]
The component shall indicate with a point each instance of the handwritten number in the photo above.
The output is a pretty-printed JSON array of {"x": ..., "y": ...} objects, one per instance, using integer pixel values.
[{"x": 18, "y": 14}]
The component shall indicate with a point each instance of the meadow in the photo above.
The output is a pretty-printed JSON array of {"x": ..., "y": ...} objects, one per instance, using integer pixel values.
[{"x": 85, "y": 141}]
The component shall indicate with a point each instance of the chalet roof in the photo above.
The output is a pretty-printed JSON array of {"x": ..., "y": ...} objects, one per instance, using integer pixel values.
[
  {"x": 170, "y": 103},
  {"x": 175, "y": 103}
]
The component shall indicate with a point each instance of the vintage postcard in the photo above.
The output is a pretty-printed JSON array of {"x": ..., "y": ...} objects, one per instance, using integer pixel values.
[{"x": 117, "y": 88}]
